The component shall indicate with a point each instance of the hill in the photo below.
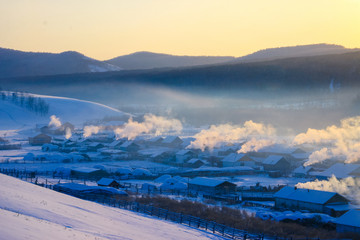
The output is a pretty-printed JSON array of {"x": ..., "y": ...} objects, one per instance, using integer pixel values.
[
  {"x": 31, "y": 212},
  {"x": 295, "y": 51},
  {"x": 148, "y": 60},
  {"x": 67, "y": 109},
  {"x": 17, "y": 63}
]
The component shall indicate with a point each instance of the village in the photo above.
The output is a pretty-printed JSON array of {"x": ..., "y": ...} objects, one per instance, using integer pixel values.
[{"x": 262, "y": 182}]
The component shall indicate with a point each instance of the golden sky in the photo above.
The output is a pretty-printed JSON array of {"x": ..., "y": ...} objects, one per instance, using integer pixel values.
[{"x": 104, "y": 29}]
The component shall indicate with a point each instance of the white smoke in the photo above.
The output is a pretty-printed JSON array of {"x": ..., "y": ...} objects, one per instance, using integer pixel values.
[
  {"x": 90, "y": 130},
  {"x": 349, "y": 187},
  {"x": 152, "y": 124},
  {"x": 54, "y": 121},
  {"x": 68, "y": 133},
  {"x": 344, "y": 141},
  {"x": 255, "y": 145},
  {"x": 215, "y": 136}
]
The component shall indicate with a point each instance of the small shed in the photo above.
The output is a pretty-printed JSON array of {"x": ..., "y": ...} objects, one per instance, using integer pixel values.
[
  {"x": 211, "y": 186},
  {"x": 302, "y": 171},
  {"x": 349, "y": 222},
  {"x": 39, "y": 139},
  {"x": 108, "y": 182}
]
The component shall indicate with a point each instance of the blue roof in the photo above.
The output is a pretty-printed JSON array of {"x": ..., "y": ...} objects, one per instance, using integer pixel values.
[
  {"x": 351, "y": 218},
  {"x": 304, "y": 195}
]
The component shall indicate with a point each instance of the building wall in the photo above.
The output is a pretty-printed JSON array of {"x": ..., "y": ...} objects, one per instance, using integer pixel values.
[
  {"x": 297, "y": 205},
  {"x": 344, "y": 228}
]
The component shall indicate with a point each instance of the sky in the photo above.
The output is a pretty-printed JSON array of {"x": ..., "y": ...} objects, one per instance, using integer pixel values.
[{"x": 104, "y": 29}]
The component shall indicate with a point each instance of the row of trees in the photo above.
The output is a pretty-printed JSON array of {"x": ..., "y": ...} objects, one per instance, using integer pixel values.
[{"x": 26, "y": 100}]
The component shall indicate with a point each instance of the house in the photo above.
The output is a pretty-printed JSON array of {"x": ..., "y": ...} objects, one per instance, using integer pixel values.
[
  {"x": 116, "y": 144},
  {"x": 156, "y": 141},
  {"x": 312, "y": 200},
  {"x": 349, "y": 222},
  {"x": 88, "y": 173},
  {"x": 303, "y": 171},
  {"x": 211, "y": 186},
  {"x": 108, "y": 182},
  {"x": 276, "y": 163},
  {"x": 183, "y": 155},
  {"x": 235, "y": 159},
  {"x": 39, "y": 140},
  {"x": 172, "y": 141},
  {"x": 129, "y": 146},
  {"x": 195, "y": 163},
  {"x": 340, "y": 170},
  {"x": 93, "y": 147}
]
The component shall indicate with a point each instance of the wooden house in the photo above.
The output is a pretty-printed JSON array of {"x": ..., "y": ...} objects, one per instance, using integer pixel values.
[
  {"x": 236, "y": 159},
  {"x": 39, "y": 140},
  {"x": 129, "y": 146},
  {"x": 276, "y": 163},
  {"x": 88, "y": 173},
  {"x": 211, "y": 186},
  {"x": 184, "y": 155},
  {"x": 172, "y": 141},
  {"x": 349, "y": 222},
  {"x": 108, "y": 182},
  {"x": 312, "y": 200}
]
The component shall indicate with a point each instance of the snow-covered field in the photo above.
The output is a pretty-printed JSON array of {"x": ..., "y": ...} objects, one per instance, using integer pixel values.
[
  {"x": 28, "y": 211},
  {"x": 76, "y": 111}
]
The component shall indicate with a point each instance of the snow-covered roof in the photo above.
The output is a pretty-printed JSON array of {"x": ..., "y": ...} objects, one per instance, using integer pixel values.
[
  {"x": 156, "y": 139},
  {"x": 303, "y": 170},
  {"x": 304, "y": 195},
  {"x": 174, "y": 186},
  {"x": 233, "y": 157},
  {"x": 127, "y": 144},
  {"x": 209, "y": 182},
  {"x": 272, "y": 159},
  {"x": 105, "y": 181},
  {"x": 194, "y": 160},
  {"x": 183, "y": 152},
  {"x": 141, "y": 172},
  {"x": 340, "y": 170},
  {"x": 114, "y": 143},
  {"x": 162, "y": 178},
  {"x": 351, "y": 218},
  {"x": 170, "y": 139}
]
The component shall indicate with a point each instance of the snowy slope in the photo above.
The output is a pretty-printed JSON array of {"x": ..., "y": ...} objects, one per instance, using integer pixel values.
[
  {"x": 67, "y": 109},
  {"x": 28, "y": 211}
]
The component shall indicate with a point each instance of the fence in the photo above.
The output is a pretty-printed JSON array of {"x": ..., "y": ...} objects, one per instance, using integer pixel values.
[{"x": 191, "y": 221}]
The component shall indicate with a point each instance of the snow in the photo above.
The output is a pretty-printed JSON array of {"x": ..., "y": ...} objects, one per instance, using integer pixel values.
[
  {"x": 305, "y": 195},
  {"x": 351, "y": 218},
  {"x": 31, "y": 212},
  {"x": 203, "y": 181},
  {"x": 272, "y": 159},
  {"x": 340, "y": 170},
  {"x": 67, "y": 109}
]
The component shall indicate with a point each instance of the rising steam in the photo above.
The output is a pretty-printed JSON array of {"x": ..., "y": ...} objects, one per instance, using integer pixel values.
[
  {"x": 68, "y": 133},
  {"x": 255, "y": 145},
  {"x": 54, "y": 121},
  {"x": 90, "y": 130},
  {"x": 344, "y": 141},
  {"x": 215, "y": 136},
  {"x": 151, "y": 125},
  {"x": 349, "y": 187}
]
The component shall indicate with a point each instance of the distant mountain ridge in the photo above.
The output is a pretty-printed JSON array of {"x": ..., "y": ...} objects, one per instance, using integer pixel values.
[
  {"x": 295, "y": 51},
  {"x": 149, "y": 60},
  {"x": 15, "y": 63}
]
